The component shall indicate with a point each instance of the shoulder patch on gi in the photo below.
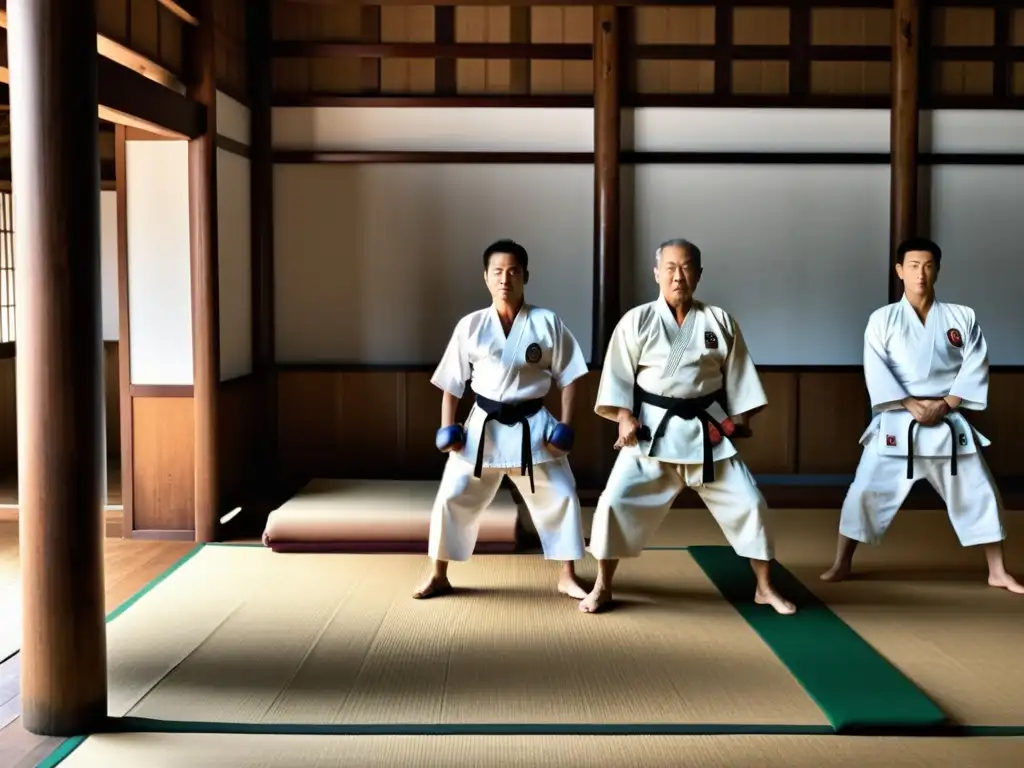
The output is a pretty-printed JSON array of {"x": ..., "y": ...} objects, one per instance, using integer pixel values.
[
  {"x": 533, "y": 353},
  {"x": 955, "y": 338},
  {"x": 963, "y": 439},
  {"x": 710, "y": 340},
  {"x": 890, "y": 440}
]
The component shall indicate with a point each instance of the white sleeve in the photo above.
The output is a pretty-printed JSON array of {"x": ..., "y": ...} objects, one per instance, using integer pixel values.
[
  {"x": 567, "y": 360},
  {"x": 618, "y": 374},
  {"x": 884, "y": 391},
  {"x": 971, "y": 383},
  {"x": 454, "y": 370},
  {"x": 743, "y": 390}
]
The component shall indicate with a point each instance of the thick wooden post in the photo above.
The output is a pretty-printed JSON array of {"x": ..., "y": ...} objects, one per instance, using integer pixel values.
[
  {"x": 258, "y": 36},
  {"x": 202, "y": 194},
  {"x": 55, "y": 173},
  {"x": 607, "y": 131},
  {"x": 904, "y": 130}
]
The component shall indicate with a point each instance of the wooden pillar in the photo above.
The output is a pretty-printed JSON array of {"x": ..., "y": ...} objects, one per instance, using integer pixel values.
[
  {"x": 259, "y": 37},
  {"x": 55, "y": 173},
  {"x": 607, "y": 131},
  {"x": 202, "y": 194},
  {"x": 903, "y": 130}
]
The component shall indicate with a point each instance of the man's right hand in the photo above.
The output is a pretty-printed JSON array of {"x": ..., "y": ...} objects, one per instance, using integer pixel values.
[
  {"x": 926, "y": 412},
  {"x": 628, "y": 426}
]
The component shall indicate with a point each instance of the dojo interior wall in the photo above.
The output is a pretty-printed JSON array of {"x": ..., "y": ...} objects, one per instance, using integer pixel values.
[{"x": 374, "y": 262}]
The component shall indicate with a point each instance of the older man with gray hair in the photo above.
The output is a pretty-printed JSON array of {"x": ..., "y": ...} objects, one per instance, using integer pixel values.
[{"x": 678, "y": 380}]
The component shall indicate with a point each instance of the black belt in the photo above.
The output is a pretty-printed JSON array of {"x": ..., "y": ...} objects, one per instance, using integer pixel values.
[
  {"x": 683, "y": 408},
  {"x": 508, "y": 414},
  {"x": 910, "y": 448}
]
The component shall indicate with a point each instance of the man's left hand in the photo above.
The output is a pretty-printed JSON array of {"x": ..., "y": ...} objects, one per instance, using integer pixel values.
[{"x": 932, "y": 412}]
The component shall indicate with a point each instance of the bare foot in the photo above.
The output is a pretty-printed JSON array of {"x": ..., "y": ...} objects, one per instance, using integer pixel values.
[
  {"x": 1006, "y": 581},
  {"x": 596, "y": 601},
  {"x": 436, "y": 586},
  {"x": 570, "y": 585},
  {"x": 775, "y": 600},
  {"x": 837, "y": 572}
]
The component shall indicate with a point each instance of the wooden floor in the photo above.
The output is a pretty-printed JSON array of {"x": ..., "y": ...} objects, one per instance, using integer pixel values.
[{"x": 129, "y": 566}]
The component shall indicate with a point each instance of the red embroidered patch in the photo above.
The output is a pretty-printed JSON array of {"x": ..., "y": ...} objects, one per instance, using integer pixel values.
[
  {"x": 955, "y": 338},
  {"x": 890, "y": 440}
]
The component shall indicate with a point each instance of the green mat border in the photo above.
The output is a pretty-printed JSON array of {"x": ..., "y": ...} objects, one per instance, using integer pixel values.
[
  {"x": 808, "y": 644},
  {"x": 145, "y": 725}
]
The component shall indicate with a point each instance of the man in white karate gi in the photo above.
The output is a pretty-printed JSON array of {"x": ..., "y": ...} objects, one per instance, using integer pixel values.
[
  {"x": 512, "y": 352},
  {"x": 925, "y": 363},
  {"x": 678, "y": 380}
]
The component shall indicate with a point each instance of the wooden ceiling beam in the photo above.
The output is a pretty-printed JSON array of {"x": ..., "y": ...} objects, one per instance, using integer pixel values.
[{"x": 135, "y": 91}]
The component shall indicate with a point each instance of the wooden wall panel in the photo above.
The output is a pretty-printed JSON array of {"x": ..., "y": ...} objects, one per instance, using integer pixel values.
[
  {"x": 773, "y": 448},
  {"x": 1002, "y": 423},
  {"x": 701, "y": 53},
  {"x": 382, "y": 424},
  {"x": 493, "y": 24},
  {"x": 832, "y": 415},
  {"x": 661, "y": 25},
  {"x": 163, "y": 463}
]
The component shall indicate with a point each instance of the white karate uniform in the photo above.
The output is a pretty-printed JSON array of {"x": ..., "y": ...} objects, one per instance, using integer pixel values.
[
  {"x": 945, "y": 355},
  {"x": 539, "y": 350},
  {"x": 700, "y": 357}
]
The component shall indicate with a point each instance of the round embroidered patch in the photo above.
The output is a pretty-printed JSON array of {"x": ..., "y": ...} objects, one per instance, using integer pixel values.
[
  {"x": 533, "y": 353},
  {"x": 954, "y": 337}
]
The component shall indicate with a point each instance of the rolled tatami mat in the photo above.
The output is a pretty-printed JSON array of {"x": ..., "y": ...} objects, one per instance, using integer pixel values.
[
  {"x": 165, "y": 750},
  {"x": 375, "y": 515}
]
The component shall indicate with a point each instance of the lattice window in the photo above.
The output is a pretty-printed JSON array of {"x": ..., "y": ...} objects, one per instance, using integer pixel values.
[{"x": 6, "y": 268}]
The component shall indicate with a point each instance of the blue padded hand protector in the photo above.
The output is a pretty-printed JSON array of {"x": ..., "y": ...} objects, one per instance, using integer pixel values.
[
  {"x": 449, "y": 436},
  {"x": 562, "y": 437}
]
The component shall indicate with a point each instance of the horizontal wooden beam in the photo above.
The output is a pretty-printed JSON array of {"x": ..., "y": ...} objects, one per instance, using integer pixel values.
[
  {"x": 636, "y": 3},
  {"x": 635, "y": 100},
  {"x": 683, "y": 3},
  {"x": 128, "y": 98},
  {"x": 115, "y": 51},
  {"x": 160, "y": 390},
  {"x": 539, "y": 101},
  {"x": 326, "y": 50},
  {"x": 133, "y": 90},
  {"x": 183, "y": 9},
  {"x": 629, "y": 157},
  {"x": 319, "y": 49}
]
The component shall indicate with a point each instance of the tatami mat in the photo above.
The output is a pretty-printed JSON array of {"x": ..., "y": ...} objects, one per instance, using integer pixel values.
[
  {"x": 242, "y": 635},
  {"x": 234, "y": 751},
  {"x": 920, "y": 599}
]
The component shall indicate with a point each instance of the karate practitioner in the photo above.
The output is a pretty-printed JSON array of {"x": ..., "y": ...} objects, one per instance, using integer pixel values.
[
  {"x": 925, "y": 362},
  {"x": 512, "y": 352},
  {"x": 677, "y": 376}
]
